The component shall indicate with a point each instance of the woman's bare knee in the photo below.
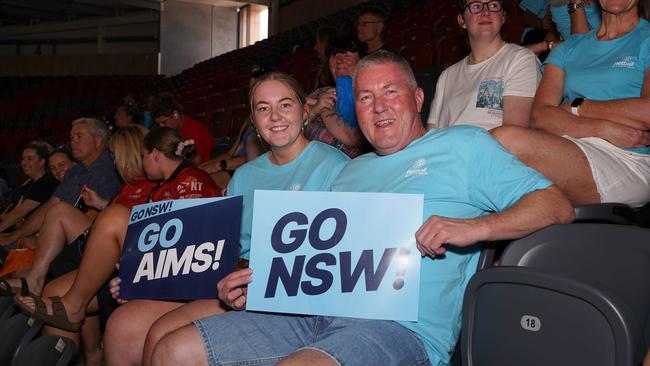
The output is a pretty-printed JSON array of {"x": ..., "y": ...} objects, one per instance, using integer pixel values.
[
  {"x": 309, "y": 357},
  {"x": 181, "y": 347}
]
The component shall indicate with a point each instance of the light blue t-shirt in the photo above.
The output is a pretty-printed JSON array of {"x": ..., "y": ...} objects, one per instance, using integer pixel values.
[
  {"x": 537, "y": 7},
  {"x": 313, "y": 170},
  {"x": 463, "y": 173},
  {"x": 562, "y": 18},
  {"x": 604, "y": 70}
]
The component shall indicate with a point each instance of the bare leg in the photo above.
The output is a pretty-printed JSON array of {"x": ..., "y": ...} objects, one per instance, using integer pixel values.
[
  {"x": 176, "y": 319},
  {"x": 181, "y": 347},
  {"x": 90, "y": 331},
  {"x": 62, "y": 224},
  {"x": 308, "y": 357},
  {"x": 221, "y": 179},
  {"x": 559, "y": 159},
  {"x": 101, "y": 253},
  {"x": 91, "y": 335},
  {"x": 127, "y": 329},
  {"x": 56, "y": 287},
  {"x": 185, "y": 347}
]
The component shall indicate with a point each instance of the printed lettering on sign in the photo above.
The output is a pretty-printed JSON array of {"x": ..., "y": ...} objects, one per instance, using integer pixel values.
[
  {"x": 339, "y": 254},
  {"x": 180, "y": 249}
]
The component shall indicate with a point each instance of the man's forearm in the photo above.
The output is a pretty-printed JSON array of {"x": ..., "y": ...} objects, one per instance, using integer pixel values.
[{"x": 532, "y": 212}]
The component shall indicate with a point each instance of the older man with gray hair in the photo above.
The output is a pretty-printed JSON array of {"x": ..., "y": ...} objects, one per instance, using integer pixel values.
[{"x": 60, "y": 219}]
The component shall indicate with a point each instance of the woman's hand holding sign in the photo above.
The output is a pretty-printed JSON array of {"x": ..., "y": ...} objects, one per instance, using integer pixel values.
[
  {"x": 232, "y": 288},
  {"x": 114, "y": 288}
]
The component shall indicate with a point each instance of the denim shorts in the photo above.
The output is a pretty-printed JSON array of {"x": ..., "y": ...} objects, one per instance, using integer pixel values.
[{"x": 249, "y": 338}]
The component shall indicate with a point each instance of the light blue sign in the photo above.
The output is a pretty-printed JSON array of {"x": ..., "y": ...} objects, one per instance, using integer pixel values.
[{"x": 336, "y": 254}]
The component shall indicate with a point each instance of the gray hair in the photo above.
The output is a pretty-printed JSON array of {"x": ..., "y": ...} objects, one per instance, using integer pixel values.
[
  {"x": 97, "y": 128},
  {"x": 383, "y": 57}
]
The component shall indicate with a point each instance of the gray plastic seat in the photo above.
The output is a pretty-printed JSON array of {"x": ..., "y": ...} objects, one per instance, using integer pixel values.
[
  {"x": 17, "y": 332},
  {"x": 576, "y": 294},
  {"x": 46, "y": 351},
  {"x": 612, "y": 213},
  {"x": 7, "y": 308}
]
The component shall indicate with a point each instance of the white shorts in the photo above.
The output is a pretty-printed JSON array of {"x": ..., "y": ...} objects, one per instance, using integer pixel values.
[{"x": 621, "y": 176}]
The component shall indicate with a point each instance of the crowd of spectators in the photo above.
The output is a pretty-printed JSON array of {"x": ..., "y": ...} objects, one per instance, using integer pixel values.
[{"x": 510, "y": 146}]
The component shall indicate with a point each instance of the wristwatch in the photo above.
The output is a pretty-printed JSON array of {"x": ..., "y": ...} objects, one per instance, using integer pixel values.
[
  {"x": 575, "y": 106},
  {"x": 572, "y": 7}
]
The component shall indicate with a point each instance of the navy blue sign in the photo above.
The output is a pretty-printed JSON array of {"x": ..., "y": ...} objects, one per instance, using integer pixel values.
[{"x": 179, "y": 250}]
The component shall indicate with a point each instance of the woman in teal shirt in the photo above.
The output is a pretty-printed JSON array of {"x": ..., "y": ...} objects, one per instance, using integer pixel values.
[
  {"x": 592, "y": 108},
  {"x": 293, "y": 163}
]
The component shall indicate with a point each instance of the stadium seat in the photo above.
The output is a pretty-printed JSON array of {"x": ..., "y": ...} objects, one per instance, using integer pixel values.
[
  {"x": 420, "y": 56},
  {"x": 427, "y": 79},
  {"x": 450, "y": 50},
  {"x": 485, "y": 261},
  {"x": 612, "y": 213},
  {"x": 417, "y": 36},
  {"x": 17, "y": 332},
  {"x": 7, "y": 308},
  {"x": 573, "y": 294},
  {"x": 46, "y": 351},
  {"x": 238, "y": 116}
]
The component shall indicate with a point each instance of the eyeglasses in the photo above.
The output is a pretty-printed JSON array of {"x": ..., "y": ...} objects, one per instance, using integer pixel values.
[{"x": 476, "y": 7}]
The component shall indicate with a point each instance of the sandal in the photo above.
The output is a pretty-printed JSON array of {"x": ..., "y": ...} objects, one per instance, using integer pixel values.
[
  {"x": 58, "y": 319},
  {"x": 8, "y": 290}
]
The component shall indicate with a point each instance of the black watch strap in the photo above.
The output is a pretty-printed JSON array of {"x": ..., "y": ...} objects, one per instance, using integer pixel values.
[{"x": 572, "y": 7}]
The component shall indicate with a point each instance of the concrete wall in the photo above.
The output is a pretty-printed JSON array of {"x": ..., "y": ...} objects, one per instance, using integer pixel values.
[
  {"x": 83, "y": 39},
  {"x": 73, "y": 65},
  {"x": 105, "y": 46},
  {"x": 191, "y": 33}
]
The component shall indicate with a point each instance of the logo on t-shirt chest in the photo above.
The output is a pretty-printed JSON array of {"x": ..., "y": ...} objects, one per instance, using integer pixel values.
[
  {"x": 193, "y": 186},
  {"x": 295, "y": 187},
  {"x": 626, "y": 62},
  {"x": 418, "y": 168}
]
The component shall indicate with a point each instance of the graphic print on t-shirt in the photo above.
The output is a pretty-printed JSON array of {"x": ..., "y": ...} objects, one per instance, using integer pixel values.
[
  {"x": 490, "y": 94},
  {"x": 627, "y": 62}
]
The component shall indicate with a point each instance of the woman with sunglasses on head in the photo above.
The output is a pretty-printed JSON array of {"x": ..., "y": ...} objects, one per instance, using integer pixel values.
[
  {"x": 293, "y": 163},
  {"x": 495, "y": 84}
]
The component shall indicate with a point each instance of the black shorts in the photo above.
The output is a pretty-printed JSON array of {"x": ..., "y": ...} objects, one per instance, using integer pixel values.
[{"x": 70, "y": 257}]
